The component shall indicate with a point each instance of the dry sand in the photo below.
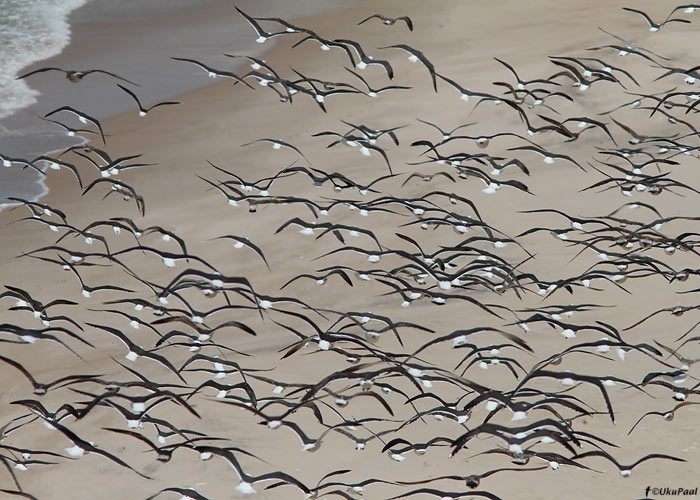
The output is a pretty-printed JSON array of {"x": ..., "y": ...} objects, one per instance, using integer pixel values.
[{"x": 461, "y": 39}]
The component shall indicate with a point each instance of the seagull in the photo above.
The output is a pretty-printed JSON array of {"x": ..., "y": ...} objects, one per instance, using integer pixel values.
[
  {"x": 521, "y": 84},
  {"x": 164, "y": 453},
  {"x": 372, "y": 92},
  {"x": 277, "y": 144},
  {"x": 75, "y": 76},
  {"x": 472, "y": 480},
  {"x": 687, "y": 362},
  {"x": 691, "y": 74},
  {"x": 427, "y": 177},
  {"x": 625, "y": 470},
  {"x": 263, "y": 185},
  {"x": 548, "y": 156},
  {"x": 74, "y": 256},
  {"x": 652, "y": 25},
  {"x": 263, "y": 35},
  {"x": 114, "y": 167},
  {"x": 668, "y": 415},
  {"x": 31, "y": 336},
  {"x": 118, "y": 224},
  {"x": 372, "y": 134},
  {"x": 353, "y": 231},
  {"x": 169, "y": 258},
  {"x": 126, "y": 191},
  {"x": 636, "y": 138},
  {"x": 306, "y": 227},
  {"x": 623, "y": 51},
  {"x": 576, "y": 222},
  {"x": 40, "y": 388},
  {"x": 481, "y": 141},
  {"x": 674, "y": 119},
  {"x": 134, "y": 322},
  {"x": 446, "y": 495},
  {"x": 38, "y": 210},
  {"x": 81, "y": 447},
  {"x": 339, "y": 181},
  {"x": 465, "y": 93},
  {"x": 223, "y": 390},
  {"x": 364, "y": 59},
  {"x": 674, "y": 310},
  {"x": 631, "y": 46},
  {"x": 582, "y": 121},
  {"x": 289, "y": 27},
  {"x": 326, "y": 45},
  {"x": 136, "y": 351},
  {"x": 165, "y": 235},
  {"x": 356, "y": 488},
  {"x": 496, "y": 168},
  {"x": 538, "y": 96},
  {"x": 321, "y": 279},
  {"x": 38, "y": 310},
  {"x": 390, "y": 21},
  {"x": 213, "y": 73},
  {"x": 142, "y": 110},
  {"x": 372, "y": 256},
  {"x": 329, "y": 88},
  {"x": 687, "y": 8},
  {"x": 82, "y": 117},
  {"x": 18, "y": 493},
  {"x": 210, "y": 282},
  {"x": 255, "y": 64},
  {"x": 88, "y": 290},
  {"x": 415, "y": 55},
  {"x": 247, "y": 481},
  {"x": 579, "y": 79},
  {"x": 446, "y": 134},
  {"x": 240, "y": 242},
  {"x": 25, "y": 300},
  {"x": 38, "y": 409},
  {"x": 56, "y": 164},
  {"x": 72, "y": 132},
  {"x": 7, "y": 162},
  {"x": 265, "y": 80},
  {"x": 609, "y": 68},
  {"x": 185, "y": 493},
  {"x": 308, "y": 444},
  {"x": 365, "y": 147}
]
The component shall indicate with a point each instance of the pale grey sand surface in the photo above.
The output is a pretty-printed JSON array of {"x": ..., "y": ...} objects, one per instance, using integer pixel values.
[{"x": 212, "y": 124}]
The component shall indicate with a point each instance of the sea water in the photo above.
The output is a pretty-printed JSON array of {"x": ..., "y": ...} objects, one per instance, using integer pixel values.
[
  {"x": 33, "y": 30},
  {"x": 30, "y": 30}
]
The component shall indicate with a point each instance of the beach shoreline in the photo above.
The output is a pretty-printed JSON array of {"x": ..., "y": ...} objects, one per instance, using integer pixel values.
[
  {"x": 205, "y": 29},
  {"x": 212, "y": 124}
]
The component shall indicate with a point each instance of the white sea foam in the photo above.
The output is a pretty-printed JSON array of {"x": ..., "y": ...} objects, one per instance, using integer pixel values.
[{"x": 30, "y": 30}]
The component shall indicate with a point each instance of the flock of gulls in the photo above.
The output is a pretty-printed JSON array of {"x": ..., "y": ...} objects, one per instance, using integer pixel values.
[{"x": 471, "y": 386}]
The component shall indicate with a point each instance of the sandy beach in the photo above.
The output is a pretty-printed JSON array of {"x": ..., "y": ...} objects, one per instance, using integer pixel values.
[
  {"x": 212, "y": 123},
  {"x": 158, "y": 30}
]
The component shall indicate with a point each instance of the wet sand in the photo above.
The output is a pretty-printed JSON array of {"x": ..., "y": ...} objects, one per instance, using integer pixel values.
[
  {"x": 155, "y": 32},
  {"x": 212, "y": 123}
]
